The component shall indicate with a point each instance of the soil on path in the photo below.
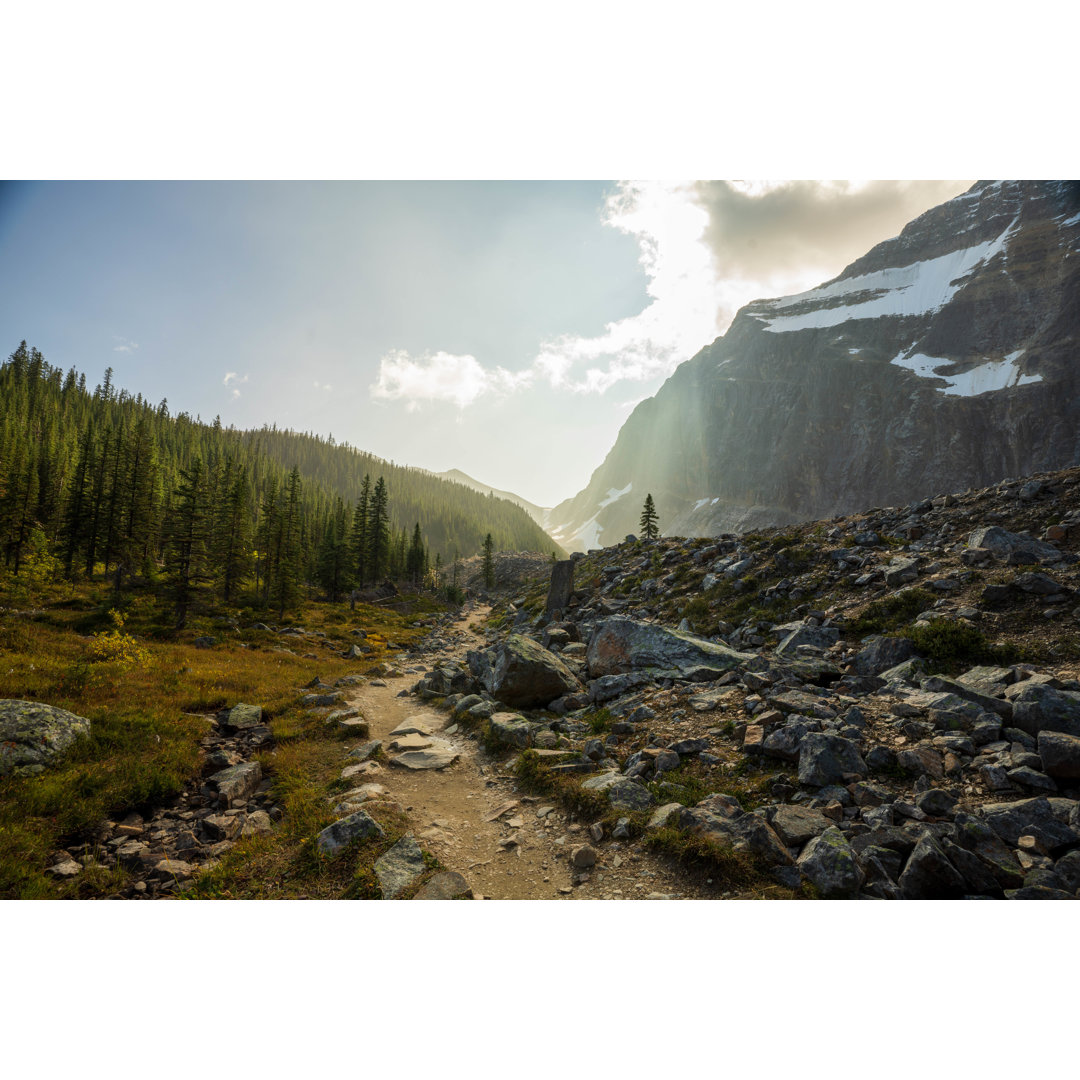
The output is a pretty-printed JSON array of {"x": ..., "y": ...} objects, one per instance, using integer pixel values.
[{"x": 507, "y": 845}]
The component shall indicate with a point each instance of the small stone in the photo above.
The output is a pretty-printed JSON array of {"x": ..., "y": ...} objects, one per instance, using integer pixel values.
[{"x": 581, "y": 858}]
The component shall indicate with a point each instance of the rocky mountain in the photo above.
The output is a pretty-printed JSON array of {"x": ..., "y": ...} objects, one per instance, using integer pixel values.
[
  {"x": 539, "y": 514},
  {"x": 944, "y": 358}
]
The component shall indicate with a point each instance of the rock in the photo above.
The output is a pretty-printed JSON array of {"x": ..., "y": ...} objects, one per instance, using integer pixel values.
[
  {"x": 1038, "y": 707},
  {"x": 65, "y": 868},
  {"x": 820, "y": 637},
  {"x": 665, "y": 816},
  {"x": 1004, "y": 544},
  {"x": 623, "y": 794},
  {"x": 830, "y": 865},
  {"x": 882, "y": 654},
  {"x": 509, "y": 729},
  {"x": 900, "y": 571},
  {"x": 581, "y": 858},
  {"x": 721, "y": 820},
  {"x": 1011, "y": 820},
  {"x": 335, "y": 838},
  {"x": 437, "y": 757},
  {"x": 235, "y": 784},
  {"x": 829, "y": 759},
  {"x": 621, "y": 644},
  {"x": 446, "y": 886},
  {"x": 321, "y": 700},
  {"x": 795, "y": 824},
  {"x": 257, "y": 823},
  {"x": 1060, "y": 755},
  {"x": 521, "y": 673},
  {"x": 416, "y": 725},
  {"x": 33, "y": 735},
  {"x": 410, "y": 742},
  {"x": 935, "y": 802},
  {"x": 367, "y": 750},
  {"x": 561, "y": 588},
  {"x": 399, "y": 867},
  {"x": 929, "y": 875},
  {"x": 240, "y": 717}
]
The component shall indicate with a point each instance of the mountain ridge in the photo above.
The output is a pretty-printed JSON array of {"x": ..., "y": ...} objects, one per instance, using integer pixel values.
[{"x": 942, "y": 358}]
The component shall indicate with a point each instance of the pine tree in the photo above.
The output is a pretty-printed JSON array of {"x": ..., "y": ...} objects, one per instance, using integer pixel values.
[
  {"x": 333, "y": 556},
  {"x": 232, "y": 531},
  {"x": 186, "y": 563},
  {"x": 489, "y": 562},
  {"x": 649, "y": 529},
  {"x": 414, "y": 565},
  {"x": 285, "y": 583},
  {"x": 378, "y": 530},
  {"x": 359, "y": 538}
]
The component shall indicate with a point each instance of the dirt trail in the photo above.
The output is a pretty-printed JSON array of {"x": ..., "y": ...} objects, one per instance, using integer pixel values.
[
  {"x": 451, "y": 807},
  {"x": 522, "y": 853}
]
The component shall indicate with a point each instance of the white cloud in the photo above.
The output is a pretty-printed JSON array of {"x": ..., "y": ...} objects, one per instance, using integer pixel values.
[
  {"x": 321, "y": 386},
  {"x": 707, "y": 248},
  {"x": 460, "y": 380},
  {"x": 125, "y": 345},
  {"x": 234, "y": 379}
]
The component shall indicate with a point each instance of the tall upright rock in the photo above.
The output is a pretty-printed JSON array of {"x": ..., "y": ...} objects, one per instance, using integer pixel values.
[{"x": 944, "y": 358}]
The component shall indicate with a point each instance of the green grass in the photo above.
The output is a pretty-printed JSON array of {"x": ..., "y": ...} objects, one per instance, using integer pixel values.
[{"x": 144, "y": 742}]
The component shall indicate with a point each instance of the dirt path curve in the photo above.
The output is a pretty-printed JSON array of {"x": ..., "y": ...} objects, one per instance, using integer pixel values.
[{"x": 516, "y": 856}]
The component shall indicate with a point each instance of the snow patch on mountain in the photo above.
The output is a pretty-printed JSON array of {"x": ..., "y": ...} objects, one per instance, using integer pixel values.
[
  {"x": 904, "y": 291},
  {"x": 991, "y": 375},
  {"x": 614, "y": 495}
]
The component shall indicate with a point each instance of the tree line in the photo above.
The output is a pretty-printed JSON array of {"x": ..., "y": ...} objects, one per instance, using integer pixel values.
[{"x": 100, "y": 484}]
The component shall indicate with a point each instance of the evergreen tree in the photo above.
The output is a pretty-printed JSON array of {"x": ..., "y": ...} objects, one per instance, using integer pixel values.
[
  {"x": 489, "y": 562},
  {"x": 414, "y": 566},
  {"x": 232, "y": 532},
  {"x": 359, "y": 538},
  {"x": 284, "y": 586},
  {"x": 333, "y": 557},
  {"x": 378, "y": 530},
  {"x": 649, "y": 529},
  {"x": 186, "y": 563}
]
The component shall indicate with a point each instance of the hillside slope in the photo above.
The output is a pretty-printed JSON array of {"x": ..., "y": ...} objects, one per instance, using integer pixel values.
[{"x": 944, "y": 358}]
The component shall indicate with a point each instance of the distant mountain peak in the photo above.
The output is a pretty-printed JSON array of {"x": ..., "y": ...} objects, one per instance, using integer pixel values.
[{"x": 944, "y": 357}]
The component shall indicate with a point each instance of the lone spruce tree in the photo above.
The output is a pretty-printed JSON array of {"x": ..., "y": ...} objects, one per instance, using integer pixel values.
[
  {"x": 649, "y": 529},
  {"x": 489, "y": 562}
]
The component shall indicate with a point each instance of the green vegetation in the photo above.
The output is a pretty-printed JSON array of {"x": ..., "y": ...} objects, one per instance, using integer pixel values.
[
  {"x": 891, "y": 612},
  {"x": 729, "y": 869},
  {"x": 648, "y": 525},
  {"x": 950, "y": 646},
  {"x": 145, "y": 687},
  {"x": 104, "y": 486}
]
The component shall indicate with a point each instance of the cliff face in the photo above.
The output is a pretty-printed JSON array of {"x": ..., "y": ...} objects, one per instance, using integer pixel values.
[{"x": 944, "y": 358}]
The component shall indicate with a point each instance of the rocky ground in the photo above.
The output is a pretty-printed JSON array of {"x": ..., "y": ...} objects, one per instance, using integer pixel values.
[
  {"x": 884, "y": 705},
  {"x": 880, "y": 706}
]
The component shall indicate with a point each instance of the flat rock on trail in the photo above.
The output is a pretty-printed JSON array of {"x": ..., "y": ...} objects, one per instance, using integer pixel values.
[{"x": 507, "y": 845}]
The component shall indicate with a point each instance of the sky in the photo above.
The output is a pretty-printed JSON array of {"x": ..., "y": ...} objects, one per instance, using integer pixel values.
[{"x": 505, "y": 328}]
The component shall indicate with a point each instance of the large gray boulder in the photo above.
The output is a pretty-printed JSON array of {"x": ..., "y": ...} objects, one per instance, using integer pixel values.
[
  {"x": 621, "y": 644},
  {"x": 883, "y": 653},
  {"x": 32, "y": 735},
  {"x": 929, "y": 875},
  {"x": 830, "y": 864},
  {"x": 1060, "y": 755},
  {"x": 1038, "y": 707},
  {"x": 829, "y": 759},
  {"x": 1004, "y": 544},
  {"x": 521, "y": 673}
]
